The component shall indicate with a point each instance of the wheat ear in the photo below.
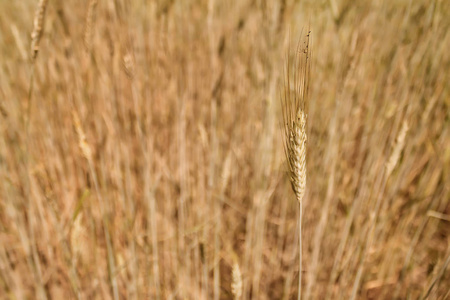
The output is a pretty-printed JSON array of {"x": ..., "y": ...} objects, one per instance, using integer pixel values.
[
  {"x": 236, "y": 283},
  {"x": 38, "y": 24},
  {"x": 89, "y": 25},
  {"x": 395, "y": 155},
  {"x": 294, "y": 105}
]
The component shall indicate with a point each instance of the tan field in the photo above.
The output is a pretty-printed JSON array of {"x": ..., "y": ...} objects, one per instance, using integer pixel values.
[{"x": 142, "y": 149}]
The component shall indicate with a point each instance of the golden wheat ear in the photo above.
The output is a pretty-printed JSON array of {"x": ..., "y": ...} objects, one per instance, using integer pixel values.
[{"x": 294, "y": 104}]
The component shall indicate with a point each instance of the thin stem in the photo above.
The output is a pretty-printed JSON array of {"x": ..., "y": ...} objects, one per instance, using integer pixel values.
[{"x": 300, "y": 252}]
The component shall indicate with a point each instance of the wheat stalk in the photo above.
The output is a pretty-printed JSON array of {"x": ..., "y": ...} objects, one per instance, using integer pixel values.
[
  {"x": 294, "y": 105},
  {"x": 35, "y": 38},
  {"x": 87, "y": 153}
]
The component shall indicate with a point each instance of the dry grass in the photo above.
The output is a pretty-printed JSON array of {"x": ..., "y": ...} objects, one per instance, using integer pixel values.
[{"x": 153, "y": 162}]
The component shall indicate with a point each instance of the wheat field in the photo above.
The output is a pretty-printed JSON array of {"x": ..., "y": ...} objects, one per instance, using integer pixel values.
[{"x": 141, "y": 150}]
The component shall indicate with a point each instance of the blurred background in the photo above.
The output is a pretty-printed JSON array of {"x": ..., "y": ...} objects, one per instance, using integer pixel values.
[{"x": 141, "y": 153}]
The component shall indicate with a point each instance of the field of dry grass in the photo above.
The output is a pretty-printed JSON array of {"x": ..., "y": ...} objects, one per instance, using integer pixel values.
[{"x": 141, "y": 151}]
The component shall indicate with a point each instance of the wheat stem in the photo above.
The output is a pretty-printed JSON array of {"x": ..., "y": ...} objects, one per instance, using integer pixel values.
[
  {"x": 294, "y": 104},
  {"x": 300, "y": 252}
]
